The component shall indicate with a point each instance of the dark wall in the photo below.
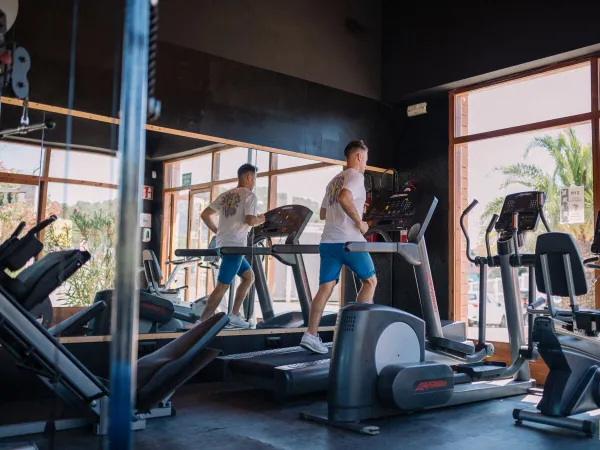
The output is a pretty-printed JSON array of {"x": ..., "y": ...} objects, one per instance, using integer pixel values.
[
  {"x": 425, "y": 47},
  {"x": 335, "y": 43},
  {"x": 200, "y": 92},
  {"x": 422, "y": 155}
]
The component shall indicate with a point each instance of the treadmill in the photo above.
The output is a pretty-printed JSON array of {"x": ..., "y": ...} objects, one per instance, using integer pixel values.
[
  {"x": 294, "y": 371},
  {"x": 285, "y": 222}
]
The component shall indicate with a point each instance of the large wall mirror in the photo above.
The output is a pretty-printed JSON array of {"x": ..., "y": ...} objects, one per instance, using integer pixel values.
[{"x": 40, "y": 176}]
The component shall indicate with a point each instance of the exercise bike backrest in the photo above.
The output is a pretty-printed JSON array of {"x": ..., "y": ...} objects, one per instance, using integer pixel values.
[{"x": 15, "y": 251}]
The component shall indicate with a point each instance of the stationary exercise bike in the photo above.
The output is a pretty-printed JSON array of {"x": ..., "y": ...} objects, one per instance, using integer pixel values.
[{"x": 570, "y": 348}]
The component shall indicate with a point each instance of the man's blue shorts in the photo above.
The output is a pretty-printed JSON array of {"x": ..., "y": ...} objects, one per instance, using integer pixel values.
[
  {"x": 333, "y": 257},
  {"x": 230, "y": 266}
]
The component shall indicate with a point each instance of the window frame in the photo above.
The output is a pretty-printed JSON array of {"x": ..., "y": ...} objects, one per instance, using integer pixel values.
[
  {"x": 44, "y": 179},
  {"x": 271, "y": 174},
  {"x": 457, "y": 163}
]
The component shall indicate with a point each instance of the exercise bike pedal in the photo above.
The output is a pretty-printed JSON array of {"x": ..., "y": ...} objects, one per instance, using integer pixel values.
[{"x": 483, "y": 370}]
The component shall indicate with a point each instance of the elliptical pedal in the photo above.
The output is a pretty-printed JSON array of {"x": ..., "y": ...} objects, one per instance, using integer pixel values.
[{"x": 484, "y": 370}]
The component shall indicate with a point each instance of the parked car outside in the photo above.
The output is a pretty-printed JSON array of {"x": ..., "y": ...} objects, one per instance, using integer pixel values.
[{"x": 494, "y": 314}]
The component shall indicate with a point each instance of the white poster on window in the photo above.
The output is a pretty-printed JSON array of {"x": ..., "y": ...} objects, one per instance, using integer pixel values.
[{"x": 572, "y": 205}]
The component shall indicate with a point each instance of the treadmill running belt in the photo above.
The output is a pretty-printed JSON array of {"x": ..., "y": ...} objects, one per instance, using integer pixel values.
[
  {"x": 265, "y": 364},
  {"x": 285, "y": 371}
]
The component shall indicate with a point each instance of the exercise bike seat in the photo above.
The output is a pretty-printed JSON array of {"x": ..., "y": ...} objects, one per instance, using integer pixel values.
[{"x": 160, "y": 373}]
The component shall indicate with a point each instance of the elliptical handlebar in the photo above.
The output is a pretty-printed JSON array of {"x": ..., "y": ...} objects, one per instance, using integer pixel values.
[
  {"x": 43, "y": 224},
  {"x": 488, "y": 230},
  {"x": 541, "y": 200},
  {"x": 464, "y": 230},
  {"x": 591, "y": 262}
]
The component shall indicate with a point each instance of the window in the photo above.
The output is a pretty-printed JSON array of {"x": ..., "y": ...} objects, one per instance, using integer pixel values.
[
  {"x": 18, "y": 202},
  {"x": 188, "y": 172},
  {"x": 293, "y": 189},
  {"x": 21, "y": 159},
  {"x": 549, "y": 96},
  {"x": 86, "y": 220},
  {"x": 229, "y": 161},
  {"x": 545, "y": 159},
  {"x": 220, "y": 188},
  {"x": 301, "y": 185},
  {"x": 74, "y": 165},
  {"x": 285, "y": 161}
]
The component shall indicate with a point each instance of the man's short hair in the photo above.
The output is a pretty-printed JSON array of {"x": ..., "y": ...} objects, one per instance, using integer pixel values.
[
  {"x": 353, "y": 147},
  {"x": 246, "y": 168}
]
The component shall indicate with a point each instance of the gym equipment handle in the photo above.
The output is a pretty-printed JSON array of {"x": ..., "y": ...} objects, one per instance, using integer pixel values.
[
  {"x": 408, "y": 250},
  {"x": 489, "y": 229},
  {"x": 538, "y": 302},
  {"x": 591, "y": 262},
  {"x": 43, "y": 224},
  {"x": 294, "y": 249},
  {"x": 195, "y": 252},
  {"x": 464, "y": 229},
  {"x": 19, "y": 229},
  {"x": 248, "y": 251}
]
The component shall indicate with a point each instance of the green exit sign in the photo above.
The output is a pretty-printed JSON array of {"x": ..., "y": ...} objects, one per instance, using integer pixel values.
[{"x": 186, "y": 179}]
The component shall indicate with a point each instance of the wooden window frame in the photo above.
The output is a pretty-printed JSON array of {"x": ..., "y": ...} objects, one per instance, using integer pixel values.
[
  {"x": 43, "y": 180},
  {"x": 457, "y": 311}
]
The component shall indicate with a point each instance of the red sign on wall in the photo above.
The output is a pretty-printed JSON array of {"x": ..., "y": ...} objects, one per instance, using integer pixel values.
[{"x": 147, "y": 193}]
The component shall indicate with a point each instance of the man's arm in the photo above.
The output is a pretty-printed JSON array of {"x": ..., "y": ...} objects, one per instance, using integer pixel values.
[
  {"x": 254, "y": 221},
  {"x": 323, "y": 213},
  {"x": 251, "y": 218},
  {"x": 207, "y": 217},
  {"x": 347, "y": 203}
]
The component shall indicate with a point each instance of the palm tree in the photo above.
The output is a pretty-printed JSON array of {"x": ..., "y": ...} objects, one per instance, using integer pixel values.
[{"x": 573, "y": 167}]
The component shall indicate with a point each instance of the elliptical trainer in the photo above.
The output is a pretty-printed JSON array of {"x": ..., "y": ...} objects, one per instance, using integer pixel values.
[{"x": 384, "y": 350}]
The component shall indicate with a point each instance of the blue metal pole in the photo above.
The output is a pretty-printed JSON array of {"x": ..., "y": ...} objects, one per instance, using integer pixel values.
[{"x": 132, "y": 147}]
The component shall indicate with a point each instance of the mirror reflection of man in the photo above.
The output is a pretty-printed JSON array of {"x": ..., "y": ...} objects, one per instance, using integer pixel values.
[{"x": 236, "y": 210}]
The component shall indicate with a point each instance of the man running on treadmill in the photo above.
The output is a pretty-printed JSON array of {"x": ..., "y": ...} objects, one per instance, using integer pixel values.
[
  {"x": 236, "y": 209},
  {"x": 342, "y": 209}
]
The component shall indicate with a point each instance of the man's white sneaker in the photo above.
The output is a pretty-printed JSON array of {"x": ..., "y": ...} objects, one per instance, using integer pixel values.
[
  {"x": 236, "y": 321},
  {"x": 313, "y": 344}
]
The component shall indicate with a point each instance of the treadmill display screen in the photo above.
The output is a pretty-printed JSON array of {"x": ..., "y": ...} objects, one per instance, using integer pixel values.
[
  {"x": 402, "y": 211},
  {"x": 285, "y": 221}
]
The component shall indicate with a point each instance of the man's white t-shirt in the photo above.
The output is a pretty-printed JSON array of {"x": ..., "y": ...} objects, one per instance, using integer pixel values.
[
  {"x": 233, "y": 206},
  {"x": 339, "y": 227}
]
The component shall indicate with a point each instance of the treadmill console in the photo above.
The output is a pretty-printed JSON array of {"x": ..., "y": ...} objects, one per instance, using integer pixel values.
[
  {"x": 285, "y": 221},
  {"x": 527, "y": 205},
  {"x": 405, "y": 211}
]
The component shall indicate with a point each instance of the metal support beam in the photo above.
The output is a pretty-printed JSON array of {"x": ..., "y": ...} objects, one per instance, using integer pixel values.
[{"x": 132, "y": 147}]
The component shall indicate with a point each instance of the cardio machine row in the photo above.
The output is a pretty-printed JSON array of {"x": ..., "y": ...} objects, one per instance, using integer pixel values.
[{"x": 292, "y": 371}]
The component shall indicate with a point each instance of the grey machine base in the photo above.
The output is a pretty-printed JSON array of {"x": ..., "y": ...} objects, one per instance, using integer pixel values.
[
  {"x": 463, "y": 394},
  {"x": 39, "y": 427}
]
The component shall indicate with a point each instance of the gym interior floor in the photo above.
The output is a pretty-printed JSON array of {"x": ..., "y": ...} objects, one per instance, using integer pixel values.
[{"x": 214, "y": 416}]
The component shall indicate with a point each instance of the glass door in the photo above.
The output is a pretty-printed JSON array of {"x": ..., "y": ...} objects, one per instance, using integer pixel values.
[
  {"x": 179, "y": 234},
  {"x": 198, "y": 277}
]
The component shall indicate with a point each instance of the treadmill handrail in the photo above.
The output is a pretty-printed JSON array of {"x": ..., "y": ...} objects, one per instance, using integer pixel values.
[
  {"x": 248, "y": 251},
  {"x": 408, "y": 250},
  {"x": 195, "y": 252},
  {"x": 295, "y": 249}
]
